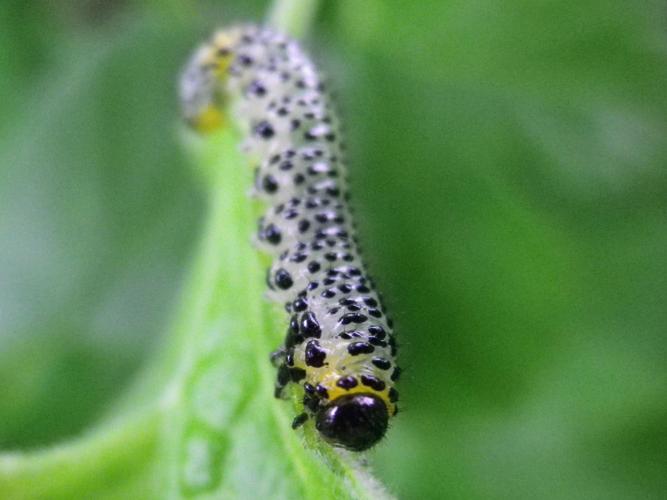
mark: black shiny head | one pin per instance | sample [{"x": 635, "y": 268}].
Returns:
[{"x": 355, "y": 421}]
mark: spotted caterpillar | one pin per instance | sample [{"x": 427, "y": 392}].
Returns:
[{"x": 339, "y": 345}]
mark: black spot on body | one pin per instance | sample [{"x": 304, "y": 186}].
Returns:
[
  {"x": 381, "y": 363},
  {"x": 356, "y": 348},
  {"x": 330, "y": 256},
  {"x": 269, "y": 184},
  {"x": 377, "y": 342},
  {"x": 256, "y": 88},
  {"x": 298, "y": 257},
  {"x": 264, "y": 130},
  {"x": 373, "y": 382},
  {"x": 353, "y": 317},
  {"x": 377, "y": 331},
  {"x": 314, "y": 354},
  {"x": 347, "y": 383},
  {"x": 245, "y": 60},
  {"x": 272, "y": 234},
  {"x": 310, "y": 327},
  {"x": 375, "y": 313},
  {"x": 283, "y": 279},
  {"x": 300, "y": 305},
  {"x": 291, "y": 214}
]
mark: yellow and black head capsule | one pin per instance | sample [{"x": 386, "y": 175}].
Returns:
[{"x": 355, "y": 421}]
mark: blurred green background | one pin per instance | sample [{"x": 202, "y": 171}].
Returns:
[{"x": 509, "y": 171}]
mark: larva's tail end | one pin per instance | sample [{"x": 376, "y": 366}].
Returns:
[
  {"x": 202, "y": 82},
  {"x": 209, "y": 120}
]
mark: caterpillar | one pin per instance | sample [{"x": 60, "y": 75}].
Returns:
[{"x": 339, "y": 346}]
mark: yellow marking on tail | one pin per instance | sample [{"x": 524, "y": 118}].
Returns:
[{"x": 212, "y": 118}]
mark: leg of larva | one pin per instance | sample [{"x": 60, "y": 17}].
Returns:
[
  {"x": 278, "y": 357},
  {"x": 282, "y": 379},
  {"x": 299, "y": 420}
]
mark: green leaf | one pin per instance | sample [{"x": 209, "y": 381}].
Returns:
[{"x": 116, "y": 461}]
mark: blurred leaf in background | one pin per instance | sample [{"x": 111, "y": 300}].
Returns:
[
  {"x": 508, "y": 170},
  {"x": 510, "y": 163},
  {"x": 97, "y": 213}
]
